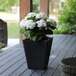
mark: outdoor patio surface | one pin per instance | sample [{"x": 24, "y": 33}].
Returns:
[{"x": 13, "y": 61}]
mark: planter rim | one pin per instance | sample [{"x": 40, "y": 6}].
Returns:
[
  {"x": 68, "y": 65},
  {"x": 39, "y": 40}
]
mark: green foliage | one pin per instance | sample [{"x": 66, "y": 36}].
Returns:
[
  {"x": 1, "y": 51},
  {"x": 67, "y": 18},
  {"x": 0, "y": 48},
  {"x": 0, "y": 45},
  {"x": 37, "y": 34},
  {"x": 64, "y": 29},
  {"x": 22, "y": 31},
  {"x": 13, "y": 30},
  {"x": 5, "y": 5},
  {"x": 36, "y": 3},
  {"x": 35, "y": 8}
]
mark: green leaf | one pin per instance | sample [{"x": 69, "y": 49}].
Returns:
[
  {"x": 26, "y": 35},
  {"x": 22, "y": 31},
  {"x": 1, "y": 51},
  {"x": 0, "y": 45},
  {"x": 27, "y": 32},
  {"x": 40, "y": 38},
  {"x": 34, "y": 38},
  {"x": 32, "y": 18}
]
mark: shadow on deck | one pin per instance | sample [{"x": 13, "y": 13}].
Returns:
[{"x": 13, "y": 61}]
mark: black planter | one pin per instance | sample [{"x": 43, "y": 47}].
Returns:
[
  {"x": 3, "y": 33},
  {"x": 37, "y": 53}
]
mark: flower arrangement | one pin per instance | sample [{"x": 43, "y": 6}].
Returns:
[{"x": 36, "y": 26}]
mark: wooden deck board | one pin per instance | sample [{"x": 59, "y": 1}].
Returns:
[
  {"x": 13, "y": 61},
  {"x": 56, "y": 62},
  {"x": 5, "y": 52}
]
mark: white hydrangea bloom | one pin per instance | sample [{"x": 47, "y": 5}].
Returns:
[
  {"x": 30, "y": 15},
  {"x": 48, "y": 20},
  {"x": 30, "y": 24},
  {"x": 25, "y": 18},
  {"x": 41, "y": 16},
  {"x": 53, "y": 23},
  {"x": 41, "y": 23},
  {"x": 22, "y": 24}
]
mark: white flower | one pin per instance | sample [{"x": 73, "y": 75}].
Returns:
[
  {"x": 25, "y": 18},
  {"x": 41, "y": 16},
  {"x": 48, "y": 20},
  {"x": 30, "y": 24},
  {"x": 41, "y": 23},
  {"x": 30, "y": 15},
  {"x": 53, "y": 23},
  {"x": 22, "y": 24}
]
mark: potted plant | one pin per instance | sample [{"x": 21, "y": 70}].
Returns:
[{"x": 37, "y": 45}]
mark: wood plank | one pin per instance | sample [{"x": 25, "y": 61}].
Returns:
[
  {"x": 72, "y": 49},
  {"x": 27, "y": 73},
  {"x": 6, "y": 60},
  {"x": 74, "y": 53},
  {"x": 14, "y": 67},
  {"x": 44, "y": 6},
  {"x": 10, "y": 53},
  {"x": 55, "y": 64},
  {"x": 59, "y": 49},
  {"x": 19, "y": 70},
  {"x": 55, "y": 39},
  {"x": 6, "y": 51},
  {"x": 58, "y": 42},
  {"x": 58, "y": 72},
  {"x": 11, "y": 63},
  {"x": 15, "y": 64}
]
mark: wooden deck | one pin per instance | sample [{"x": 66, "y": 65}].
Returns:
[{"x": 13, "y": 61}]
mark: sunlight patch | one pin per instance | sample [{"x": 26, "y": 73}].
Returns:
[{"x": 52, "y": 56}]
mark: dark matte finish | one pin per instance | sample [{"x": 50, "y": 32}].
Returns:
[
  {"x": 13, "y": 61},
  {"x": 37, "y": 53},
  {"x": 3, "y": 33}
]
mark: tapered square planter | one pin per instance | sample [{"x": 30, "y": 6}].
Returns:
[{"x": 37, "y": 53}]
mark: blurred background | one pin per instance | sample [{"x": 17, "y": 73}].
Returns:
[{"x": 9, "y": 12}]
